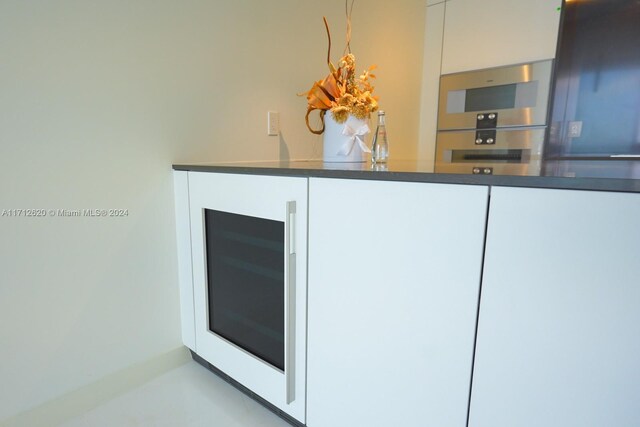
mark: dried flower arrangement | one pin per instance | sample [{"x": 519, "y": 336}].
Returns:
[{"x": 341, "y": 92}]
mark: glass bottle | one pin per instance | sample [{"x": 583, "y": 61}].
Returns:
[{"x": 380, "y": 148}]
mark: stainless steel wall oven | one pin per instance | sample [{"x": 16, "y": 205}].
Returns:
[{"x": 493, "y": 120}]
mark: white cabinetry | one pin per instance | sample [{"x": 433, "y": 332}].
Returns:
[
  {"x": 559, "y": 329},
  {"x": 431, "y": 66},
  {"x": 185, "y": 273},
  {"x": 394, "y": 274},
  {"x": 491, "y": 33}
]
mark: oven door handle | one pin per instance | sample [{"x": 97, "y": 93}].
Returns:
[{"x": 290, "y": 303}]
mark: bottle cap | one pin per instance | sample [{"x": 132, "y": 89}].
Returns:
[{"x": 381, "y": 112}]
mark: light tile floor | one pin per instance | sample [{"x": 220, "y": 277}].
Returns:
[{"x": 188, "y": 396}]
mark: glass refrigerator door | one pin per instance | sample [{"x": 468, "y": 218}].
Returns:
[{"x": 245, "y": 264}]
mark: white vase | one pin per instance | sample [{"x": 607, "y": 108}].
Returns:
[{"x": 344, "y": 142}]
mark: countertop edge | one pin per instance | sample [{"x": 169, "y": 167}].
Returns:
[{"x": 560, "y": 183}]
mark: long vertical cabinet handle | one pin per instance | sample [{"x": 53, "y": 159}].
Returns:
[{"x": 290, "y": 303}]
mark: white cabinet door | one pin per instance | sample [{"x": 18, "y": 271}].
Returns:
[
  {"x": 559, "y": 329},
  {"x": 258, "y": 310},
  {"x": 491, "y": 33},
  {"x": 394, "y": 276}
]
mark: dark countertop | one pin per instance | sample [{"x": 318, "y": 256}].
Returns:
[{"x": 601, "y": 175}]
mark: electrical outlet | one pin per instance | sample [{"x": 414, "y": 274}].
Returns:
[
  {"x": 273, "y": 123},
  {"x": 575, "y": 129}
]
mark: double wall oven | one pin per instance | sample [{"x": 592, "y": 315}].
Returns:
[
  {"x": 493, "y": 120},
  {"x": 249, "y": 280}
]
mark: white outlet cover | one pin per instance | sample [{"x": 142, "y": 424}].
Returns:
[
  {"x": 273, "y": 123},
  {"x": 575, "y": 129}
]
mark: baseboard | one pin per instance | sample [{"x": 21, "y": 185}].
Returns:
[
  {"x": 246, "y": 391},
  {"x": 79, "y": 401}
]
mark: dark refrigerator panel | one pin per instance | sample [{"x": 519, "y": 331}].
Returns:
[{"x": 595, "y": 110}]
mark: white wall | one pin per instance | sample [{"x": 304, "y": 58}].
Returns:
[{"x": 97, "y": 99}]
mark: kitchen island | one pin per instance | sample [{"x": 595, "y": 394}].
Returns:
[{"x": 438, "y": 299}]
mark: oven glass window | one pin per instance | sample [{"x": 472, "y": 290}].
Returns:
[
  {"x": 490, "y": 98},
  {"x": 245, "y": 268}
]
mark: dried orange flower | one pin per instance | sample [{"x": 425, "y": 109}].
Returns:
[
  {"x": 340, "y": 113},
  {"x": 354, "y": 96}
]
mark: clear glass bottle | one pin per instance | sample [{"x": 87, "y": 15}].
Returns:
[{"x": 380, "y": 148}]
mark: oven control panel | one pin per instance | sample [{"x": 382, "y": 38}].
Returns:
[
  {"x": 487, "y": 121},
  {"x": 482, "y": 171},
  {"x": 486, "y": 137}
]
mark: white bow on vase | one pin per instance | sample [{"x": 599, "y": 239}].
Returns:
[{"x": 354, "y": 135}]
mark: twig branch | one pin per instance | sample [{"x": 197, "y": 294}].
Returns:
[
  {"x": 326, "y": 25},
  {"x": 349, "y": 11}
]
